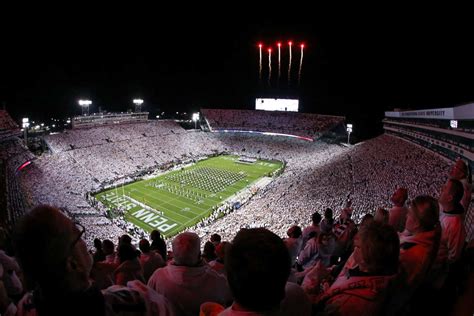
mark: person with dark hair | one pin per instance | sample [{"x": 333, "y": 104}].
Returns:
[
  {"x": 158, "y": 244},
  {"x": 314, "y": 227},
  {"x": 109, "y": 251},
  {"x": 216, "y": 239},
  {"x": 56, "y": 264},
  {"x": 362, "y": 289},
  {"x": 327, "y": 222},
  {"x": 98, "y": 255},
  {"x": 381, "y": 215},
  {"x": 398, "y": 213},
  {"x": 150, "y": 260},
  {"x": 130, "y": 268},
  {"x": 209, "y": 252},
  {"x": 218, "y": 264},
  {"x": 319, "y": 248},
  {"x": 258, "y": 265},
  {"x": 103, "y": 271},
  {"x": 125, "y": 239},
  {"x": 460, "y": 171}
]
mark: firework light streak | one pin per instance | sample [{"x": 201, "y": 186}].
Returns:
[
  {"x": 289, "y": 63},
  {"x": 301, "y": 64},
  {"x": 269, "y": 65},
  {"x": 279, "y": 63},
  {"x": 260, "y": 63}
]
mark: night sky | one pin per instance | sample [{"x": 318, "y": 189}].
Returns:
[{"x": 352, "y": 63}]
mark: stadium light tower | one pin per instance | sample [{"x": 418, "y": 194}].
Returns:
[
  {"x": 195, "y": 119},
  {"x": 85, "y": 106},
  {"x": 349, "y": 131},
  {"x": 138, "y": 104},
  {"x": 25, "y": 123}
]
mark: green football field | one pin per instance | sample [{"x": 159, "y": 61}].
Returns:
[{"x": 179, "y": 199}]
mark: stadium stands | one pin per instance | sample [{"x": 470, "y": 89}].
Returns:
[
  {"x": 8, "y": 127},
  {"x": 317, "y": 175},
  {"x": 289, "y": 123},
  {"x": 13, "y": 155}
]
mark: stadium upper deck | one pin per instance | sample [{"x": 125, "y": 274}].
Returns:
[
  {"x": 304, "y": 125},
  {"x": 446, "y": 131}
]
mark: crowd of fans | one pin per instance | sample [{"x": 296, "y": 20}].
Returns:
[
  {"x": 13, "y": 154},
  {"x": 332, "y": 267},
  {"x": 292, "y": 123},
  {"x": 363, "y": 194},
  {"x": 317, "y": 174},
  {"x": 8, "y": 127},
  {"x": 80, "y": 138}
]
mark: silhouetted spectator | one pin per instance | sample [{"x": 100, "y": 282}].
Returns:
[
  {"x": 158, "y": 244},
  {"x": 98, "y": 255},
  {"x": 215, "y": 239},
  {"x": 130, "y": 268},
  {"x": 218, "y": 264},
  {"x": 258, "y": 265},
  {"x": 56, "y": 265},
  {"x": 381, "y": 215},
  {"x": 328, "y": 221},
  {"x": 460, "y": 172},
  {"x": 209, "y": 252},
  {"x": 314, "y": 227},
  {"x": 150, "y": 260}
]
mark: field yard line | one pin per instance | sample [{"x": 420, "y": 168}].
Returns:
[
  {"x": 162, "y": 202},
  {"x": 189, "y": 220},
  {"x": 177, "y": 199},
  {"x": 152, "y": 209}
]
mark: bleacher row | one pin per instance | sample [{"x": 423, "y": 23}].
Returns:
[
  {"x": 463, "y": 125},
  {"x": 13, "y": 154},
  {"x": 8, "y": 127},
  {"x": 463, "y": 142},
  {"x": 75, "y": 139}
]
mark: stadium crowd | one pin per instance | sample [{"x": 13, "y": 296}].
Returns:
[
  {"x": 330, "y": 266},
  {"x": 334, "y": 266},
  {"x": 317, "y": 174},
  {"x": 300, "y": 124}
]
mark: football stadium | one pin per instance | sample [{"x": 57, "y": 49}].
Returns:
[
  {"x": 239, "y": 170},
  {"x": 242, "y": 168},
  {"x": 250, "y": 210}
]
